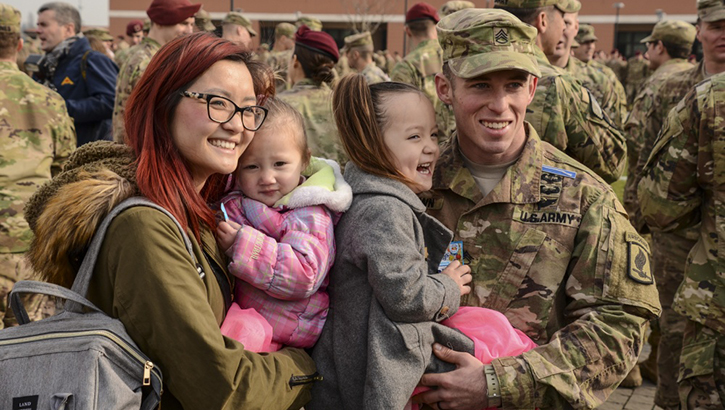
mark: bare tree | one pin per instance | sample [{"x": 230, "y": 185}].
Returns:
[{"x": 367, "y": 15}]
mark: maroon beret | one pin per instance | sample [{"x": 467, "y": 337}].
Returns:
[
  {"x": 170, "y": 12},
  {"x": 421, "y": 11},
  {"x": 318, "y": 41},
  {"x": 134, "y": 26}
]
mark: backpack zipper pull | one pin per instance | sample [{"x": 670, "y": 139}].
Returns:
[{"x": 147, "y": 373}]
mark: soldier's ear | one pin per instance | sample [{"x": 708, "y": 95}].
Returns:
[
  {"x": 20, "y": 44},
  {"x": 533, "y": 82},
  {"x": 444, "y": 88}
]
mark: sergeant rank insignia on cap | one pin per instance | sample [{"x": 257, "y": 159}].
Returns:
[
  {"x": 501, "y": 35},
  {"x": 639, "y": 268}
]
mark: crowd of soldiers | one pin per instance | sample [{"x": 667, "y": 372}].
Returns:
[{"x": 654, "y": 118}]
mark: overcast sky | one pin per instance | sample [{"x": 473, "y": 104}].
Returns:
[{"x": 93, "y": 12}]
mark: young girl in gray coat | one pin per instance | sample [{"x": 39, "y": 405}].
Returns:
[{"x": 386, "y": 299}]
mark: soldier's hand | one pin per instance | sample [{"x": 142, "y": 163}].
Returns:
[
  {"x": 461, "y": 274},
  {"x": 461, "y": 389}
]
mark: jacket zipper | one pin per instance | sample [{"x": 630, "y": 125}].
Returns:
[
  {"x": 300, "y": 380},
  {"x": 149, "y": 367}
]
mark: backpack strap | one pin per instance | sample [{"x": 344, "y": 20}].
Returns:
[
  {"x": 84, "y": 64},
  {"x": 83, "y": 278}
]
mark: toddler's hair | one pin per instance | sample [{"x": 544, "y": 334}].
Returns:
[
  {"x": 361, "y": 119},
  {"x": 283, "y": 115}
]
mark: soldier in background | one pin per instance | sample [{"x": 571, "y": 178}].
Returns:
[
  {"x": 313, "y": 23},
  {"x": 238, "y": 29},
  {"x": 202, "y": 21},
  {"x": 597, "y": 77},
  {"x": 311, "y": 73},
  {"x": 616, "y": 62},
  {"x": 359, "y": 52},
  {"x": 169, "y": 19},
  {"x": 548, "y": 243},
  {"x": 637, "y": 73},
  {"x": 281, "y": 53},
  {"x": 667, "y": 49},
  {"x": 420, "y": 66},
  {"x": 563, "y": 112},
  {"x": 104, "y": 37},
  {"x": 134, "y": 35},
  {"x": 36, "y": 138},
  {"x": 682, "y": 189}
]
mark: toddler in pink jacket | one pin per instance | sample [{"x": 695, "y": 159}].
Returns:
[{"x": 279, "y": 233}]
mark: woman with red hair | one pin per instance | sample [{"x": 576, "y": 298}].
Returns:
[{"x": 185, "y": 139}]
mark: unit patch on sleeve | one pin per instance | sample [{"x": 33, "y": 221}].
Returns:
[{"x": 639, "y": 267}]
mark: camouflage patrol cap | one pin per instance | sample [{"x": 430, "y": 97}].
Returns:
[
  {"x": 285, "y": 29},
  {"x": 575, "y": 44},
  {"x": 147, "y": 25},
  {"x": 480, "y": 41},
  {"x": 311, "y": 22},
  {"x": 202, "y": 20},
  {"x": 585, "y": 34},
  {"x": 235, "y": 17},
  {"x": 566, "y": 6},
  {"x": 99, "y": 33},
  {"x": 675, "y": 32},
  {"x": 711, "y": 10},
  {"x": 451, "y": 7},
  {"x": 359, "y": 41},
  {"x": 9, "y": 19}
]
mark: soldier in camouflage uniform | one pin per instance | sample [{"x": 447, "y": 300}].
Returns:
[
  {"x": 281, "y": 53},
  {"x": 549, "y": 244},
  {"x": 134, "y": 32},
  {"x": 597, "y": 77},
  {"x": 421, "y": 65},
  {"x": 359, "y": 52},
  {"x": 563, "y": 112},
  {"x": 682, "y": 188},
  {"x": 36, "y": 137},
  {"x": 168, "y": 21},
  {"x": 667, "y": 47},
  {"x": 315, "y": 53},
  {"x": 202, "y": 22},
  {"x": 637, "y": 73}
]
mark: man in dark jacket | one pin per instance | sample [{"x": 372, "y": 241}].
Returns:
[{"x": 85, "y": 79}]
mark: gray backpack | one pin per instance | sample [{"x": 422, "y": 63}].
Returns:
[{"x": 79, "y": 359}]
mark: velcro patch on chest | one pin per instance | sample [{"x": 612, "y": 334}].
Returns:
[
  {"x": 547, "y": 217},
  {"x": 639, "y": 267},
  {"x": 433, "y": 203}
]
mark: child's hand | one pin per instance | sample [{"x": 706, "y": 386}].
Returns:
[
  {"x": 226, "y": 232},
  {"x": 461, "y": 274}
]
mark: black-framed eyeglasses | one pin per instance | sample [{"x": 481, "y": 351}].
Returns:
[{"x": 222, "y": 110}]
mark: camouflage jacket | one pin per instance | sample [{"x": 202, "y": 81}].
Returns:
[
  {"x": 314, "y": 102},
  {"x": 566, "y": 115},
  {"x": 36, "y": 138},
  {"x": 419, "y": 69},
  {"x": 120, "y": 56},
  {"x": 637, "y": 72},
  {"x": 603, "y": 83},
  {"x": 618, "y": 67},
  {"x": 279, "y": 61},
  {"x": 641, "y": 116},
  {"x": 139, "y": 57},
  {"x": 550, "y": 248},
  {"x": 373, "y": 74},
  {"x": 682, "y": 185}
]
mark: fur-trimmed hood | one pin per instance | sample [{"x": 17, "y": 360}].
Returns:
[{"x": 65, "y": 212}]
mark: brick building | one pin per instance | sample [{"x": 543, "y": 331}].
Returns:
[{"x": 634, "y": 22}]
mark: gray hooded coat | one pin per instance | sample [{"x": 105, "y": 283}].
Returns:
[{"x": 385, "y": 300}]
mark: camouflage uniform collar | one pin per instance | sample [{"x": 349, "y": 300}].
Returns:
[
  {"x": 427, "y": 43},
  {"x": 150, "y": 41},
  {"x": 309, "y": 83},
  {"x": 9, "y": 65},
  {"x": 520, "y": 185},
  {"x": 671, "y": 61}
]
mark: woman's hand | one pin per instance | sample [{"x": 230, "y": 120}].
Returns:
[
  {"x": 226, "y": 232},
  {"x": 461, "y": 389},
  {"x": 461, "y": 274}
]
